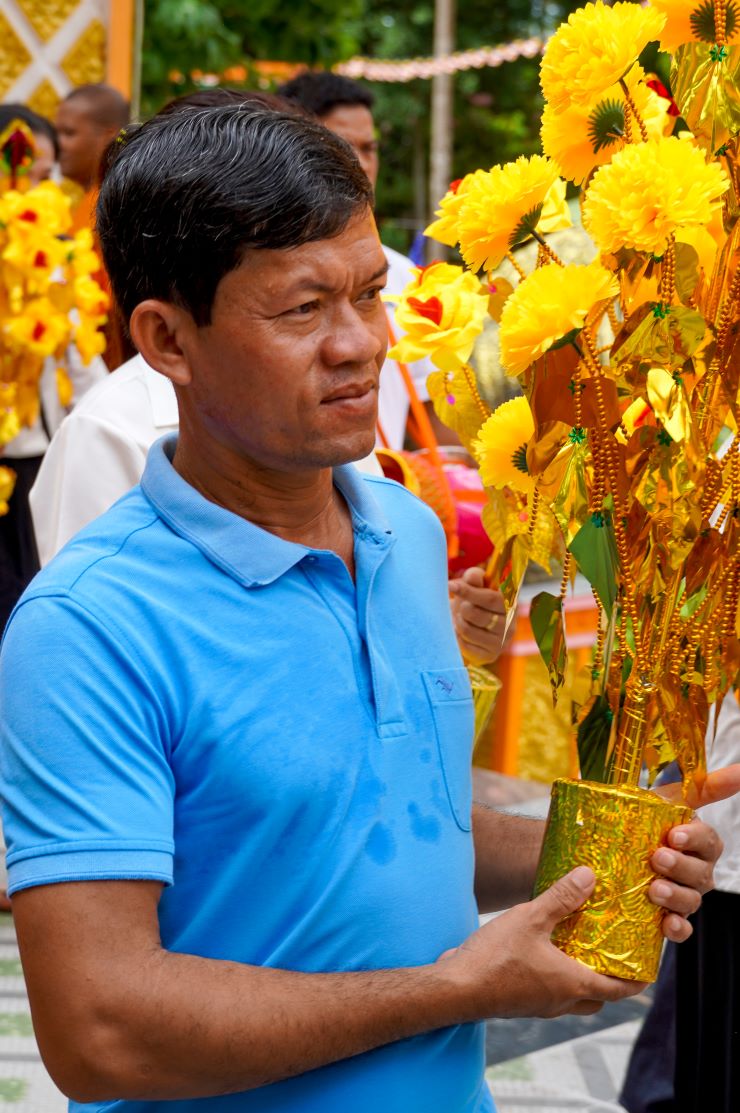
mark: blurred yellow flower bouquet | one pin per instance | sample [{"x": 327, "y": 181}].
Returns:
[
  {"x": 48, "y": 295},
  {"x": 622, "y": 458}
]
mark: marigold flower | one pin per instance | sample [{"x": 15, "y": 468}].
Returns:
[
  {"x": 441, "y": 312},
  {"x": 501, "y": 208},
  {"x": 692, "y": 21},
  {"x": 594, "y": 49},
  {"x": 501, "y": 447},
  {"x": 445, "y": 229},
  {"x": 39, "y": 329},
  {"x": 546, "y": 306},
  {"x": 583, "y": 137},
  {"x": 650, "y": 190}
]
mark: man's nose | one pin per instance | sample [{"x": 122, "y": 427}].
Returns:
[{"x": 356, "y": 337}]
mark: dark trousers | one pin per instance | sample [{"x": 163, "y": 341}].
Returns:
[
  {"x": 707, "y": 1076},
  {"x": 687, "y": 1056},
  {"x": 19, "y": 560}
]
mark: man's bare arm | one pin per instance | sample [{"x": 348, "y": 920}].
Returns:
[
  {"x": 507, "y": 849},
  {"x": 118, "y": 1017}
]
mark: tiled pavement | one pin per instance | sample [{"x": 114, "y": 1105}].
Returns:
[{"x": 579, "y": 1075}]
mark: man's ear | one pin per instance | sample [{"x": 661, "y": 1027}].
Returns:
[{"x": 159, "y": 330}]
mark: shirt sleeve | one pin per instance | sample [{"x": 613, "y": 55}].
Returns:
[
  {"x": 89, "y": 465},
  {"x": 86, "y": 783}
]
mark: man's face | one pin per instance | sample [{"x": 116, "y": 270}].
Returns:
[
  {"x": 354, "y": 123},
  {"x": 287, "y": 371},
  {"x": 81, "y": 141},
  {"x": 40, "y": 169}
]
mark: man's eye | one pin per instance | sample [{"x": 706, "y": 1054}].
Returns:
[
  {"x": 303, "y": 310},
  {"x": 373, "y": 294}
]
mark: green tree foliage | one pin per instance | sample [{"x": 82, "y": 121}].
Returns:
[{"x": 497, "y": 111}]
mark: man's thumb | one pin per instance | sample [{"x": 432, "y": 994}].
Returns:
[{"x": 565, "y": 895}]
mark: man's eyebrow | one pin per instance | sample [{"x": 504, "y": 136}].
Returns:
[{"x": 322, "y": 288}]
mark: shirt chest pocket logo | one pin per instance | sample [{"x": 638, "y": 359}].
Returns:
[{"x": 451, "y": 703}]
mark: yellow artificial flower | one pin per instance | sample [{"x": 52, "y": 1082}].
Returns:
[
  {"x": 445, "y": 229},
  {"x": 546, "y": 306},
  {"x": 82, "y": 256},
  {"x": 39, "y": 330},
  {"x": 7, "y": 483},
  {"x": 650, "y": 190},
  {"x": 594, "y": 49},
  {"x": 691, "y": 21},
  {"x": 88, "y": 339},
  {"x": 89, "y": 298},
  {"x": 501, "y": 208},
  {"x": 34, "y": 254},
  {"x": 44, "y": 206},
  {"x": 583, "y": 137},
  {"x": 501, "y": 447},
  {"x": 555, "y": 215},
  {"x": 441, "y": 312}
]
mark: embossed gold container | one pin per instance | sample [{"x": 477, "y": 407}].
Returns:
[{"x": 614, "y": 829}]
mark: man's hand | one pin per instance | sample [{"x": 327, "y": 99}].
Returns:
[
  {"x": 479, "y": 616},
  {"x": 686, "y": 865},
  {"x": 511, "y": 968}
]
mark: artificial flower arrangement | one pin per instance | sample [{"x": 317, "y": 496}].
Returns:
[
  {"x": 48, "y": 295},
  {"x": 622, "y": 457}
]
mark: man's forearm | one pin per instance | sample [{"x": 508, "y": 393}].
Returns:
[
  {"x": 190, "y": 1027},
  {"x": 507, "y": 849}
]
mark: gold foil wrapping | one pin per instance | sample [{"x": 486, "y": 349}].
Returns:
[
  {"x": 614, "y": 829},
  {"x": 486, "y": 687}
]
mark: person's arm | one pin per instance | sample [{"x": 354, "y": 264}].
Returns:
[
  {"x": 87, "y": 467},
  {"x": 118, "y": 1017}
]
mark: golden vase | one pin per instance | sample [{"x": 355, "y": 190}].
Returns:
[{"x": 614, "y": 829}]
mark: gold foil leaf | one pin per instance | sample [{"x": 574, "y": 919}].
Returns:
[
  {"x": 545, "y": 445},
  {"x": 669, "y": 402},
  {"x": 687, "y": 270},
  {"x": 455, "y": 405},
  {"x": 570, "y": 504},
  {"x": 665, "y": 335},
  {"x": 705, "y": 88}
]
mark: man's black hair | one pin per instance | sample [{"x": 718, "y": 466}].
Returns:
[
  {"x": 321, "y": 92},
  {"x": 190, "y": 192},
  {"x": 37, "y": 125}
]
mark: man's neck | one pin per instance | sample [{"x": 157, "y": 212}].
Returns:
[{"x": 301, "y": 506}]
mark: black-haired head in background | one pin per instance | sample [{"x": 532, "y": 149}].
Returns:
[
  {"x": 344, "y": 106},
  {"x": 189, "y": 192},
  {"x": 320, "y": 92}
]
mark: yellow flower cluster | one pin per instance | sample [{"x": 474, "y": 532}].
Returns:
[
  {"x": 585, "y": 136},
  {"x": 441, "y": 312},
  {"x": 48, "y": 297},
  {"x": 550, "y": 303},
  {"x": 488, "y": 212},
  {"x": 501, "y": 447},
  {"x": 595, "y": 49},
  {"x": 649, "y": 191}
]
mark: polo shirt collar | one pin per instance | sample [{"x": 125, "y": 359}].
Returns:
[{"x": 249, "y": 554}]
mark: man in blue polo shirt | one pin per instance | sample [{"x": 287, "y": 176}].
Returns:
[{"x": 236, "y": 725}]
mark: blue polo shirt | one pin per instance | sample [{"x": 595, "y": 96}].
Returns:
[{"x": 190, "y": 699}]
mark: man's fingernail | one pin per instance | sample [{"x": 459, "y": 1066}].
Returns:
[
  {"x": 665, "y": 859},
  {"x": 679, "y": 838},
  {"x": 661, "y": 890},
  {"x": 583, "y": 877}
]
